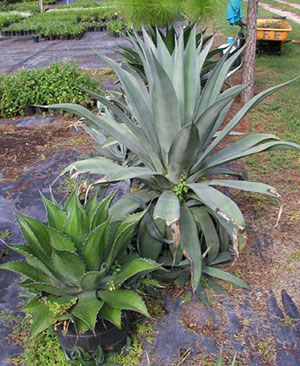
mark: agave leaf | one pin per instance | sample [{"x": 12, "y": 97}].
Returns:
[
  {"x": 142, "y": 53},
  {"x": 219, "y": 203},
  {"x": 152, "y": 283},
  {"x": 163, "y": 55},
  {"x": 133, "y": 128},
  {"x": 60, "y": 241},
  {"x": 192, "y": 66},
  {"x": 159, "y": 231},
  {"x": 167, "y": 207},
  {"x": 137, "y": 96},
  {"x": 42, "y": 320},
  {"x": 205, "y": 122},
  {"x": 32, "y": 306},
  {"x": 45, "y": 287},
  {"x": 112, "y": 171},
  {"x": 225, "y": 171},
  {"x": 91, "y": 280},
  {"x": 189, "y": 242},
  {"x": 130, "y": 202},
  {"x": 91, "y": 206},
  {"x": 76, "y": 223},
  {"x": 241, "y": 113},
  {"x": 269, "y": 146},
  {"x": 241, "y": 145},
  {"x": 149, "y": 245},
  {"x": 95, "y": 246},
  {"x": 184, "y": 148},
  {"x": 220, "y": 120},
  {"x": 215, "y": 286},
  {"x": 166, "y": 120},
  {"x": 35, "y": 236},
  {"x": 111, "y": 314},
  {"x": 118, "y": 130},
  {"x": 222, "y": 257},
  {"x": 70, "y": 202},
  {"x": 246, "y": 186},
  {"x": 31, "y": 259},
  {"x": 55, "y": 215},
  {"x": 68, "y": 265},
  {"x": 87, "y": 308},
  {"x": 222, "y": 275},
  {"x": 25, "y": 270},
  {"x": 147, "y": 48},
  {"x": 177, "y": 76},
  {"x": 215, "y": 82},
  {"x": 207, "y": 225},
  {"x": 124, "y": 300},
  {"x": 224, "y": 239},
  {"x": 101, "y": 214},
  {"x": 123, "y": 236},
  {"x": 79, "y": 324},
  {"x": 139, "y": 265}
]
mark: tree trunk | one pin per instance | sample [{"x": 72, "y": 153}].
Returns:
[
  {"x": 41, "y": 6},
  {"x": 249, "y": 59}
]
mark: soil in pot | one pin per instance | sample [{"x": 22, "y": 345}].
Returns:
[{"x": 107, "y": 335}]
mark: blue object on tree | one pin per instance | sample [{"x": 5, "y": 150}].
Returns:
[{"x": 234, "y": 11}]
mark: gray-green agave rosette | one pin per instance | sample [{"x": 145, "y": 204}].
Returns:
[
  {"x": 76, "y": 265},
  {"x": 174, "y": 128}
]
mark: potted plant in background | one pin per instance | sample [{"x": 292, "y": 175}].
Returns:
[{"x": 75, "y": 273}]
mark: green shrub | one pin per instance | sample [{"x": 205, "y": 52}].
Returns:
[
  {"x": 32, "y": 7},
  {"x": 84, "y": 4},
  {"x": 6, "y": 19},
  {"x": 53, "y": 84},
  {"x": 116, "y": 28}
]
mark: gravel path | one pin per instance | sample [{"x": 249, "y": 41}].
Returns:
[
  {"x": 17, "y": 52},
  {"x": 284, "y": 13},
  {"x": 294, "y": 5}
]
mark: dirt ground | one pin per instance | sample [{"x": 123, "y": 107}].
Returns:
[{"x": 21, "y": 147}]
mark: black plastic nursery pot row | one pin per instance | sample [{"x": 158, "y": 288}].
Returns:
[{"x": 41, "y": 36}]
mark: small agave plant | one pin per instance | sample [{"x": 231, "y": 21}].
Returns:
[
  {"x": 175, "y": 130},
  {"x": 76, "y": 264}
]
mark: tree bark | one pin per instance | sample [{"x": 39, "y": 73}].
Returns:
[
  {"x": 41, "y": 6},
  {"x": 249, "y": 59}
]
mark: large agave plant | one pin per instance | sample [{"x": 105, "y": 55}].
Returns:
[
  {"x": 76, "y": 264},
  {"x": 176, "y": 130}
]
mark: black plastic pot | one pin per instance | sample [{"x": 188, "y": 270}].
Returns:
[
  {"x": 107, "y": 335},
  {"x": 29, "y": 110}
]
